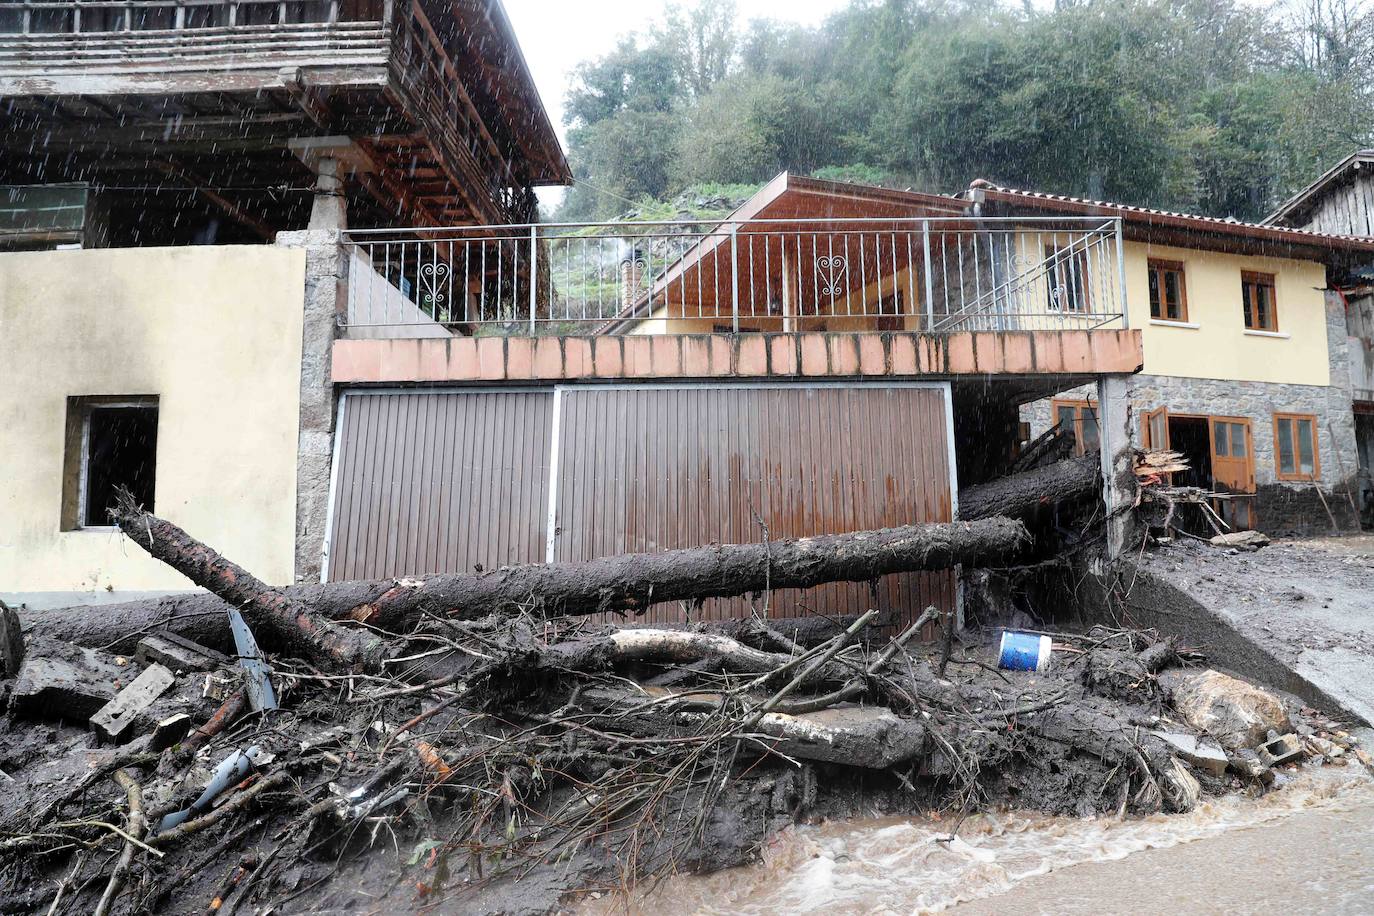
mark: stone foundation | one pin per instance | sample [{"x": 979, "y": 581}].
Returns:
[{"x": 1282, "y": 506}]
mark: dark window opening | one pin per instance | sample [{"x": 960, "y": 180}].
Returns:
[
  {"x": 1079, "y": 417},
  {"x": 1190, "y": 437},
  {"x": 111, "y": 444}
]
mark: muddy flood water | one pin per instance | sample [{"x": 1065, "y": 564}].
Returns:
[{"x": 1308, "y": 847}]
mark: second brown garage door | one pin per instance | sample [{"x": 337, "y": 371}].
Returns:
[{"x": 653, "y": 468}]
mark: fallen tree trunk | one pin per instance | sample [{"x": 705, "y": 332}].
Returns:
[
  {"x": 628, "y": 583},
  {"x": 1019, "y": 495},
  {"x": 293, "y": 623}
]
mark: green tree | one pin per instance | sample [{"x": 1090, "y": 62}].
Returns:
[{"x": 1219, "y": 106}]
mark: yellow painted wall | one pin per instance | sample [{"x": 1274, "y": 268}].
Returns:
[
  {"x": 215, "y": 333},
  {"x": 1219, "y": 347}
]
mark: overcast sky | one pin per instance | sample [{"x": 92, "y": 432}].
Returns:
[{"x": 556, "y": 35}]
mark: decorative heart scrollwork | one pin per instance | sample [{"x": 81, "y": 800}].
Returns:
[{"x": 832, "y": 272}]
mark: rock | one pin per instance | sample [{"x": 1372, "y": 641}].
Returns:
[
  {"x": 1204, "y": 753},
  {"x": 11, "y": 642},
  {"x": 1237, "y": 714},
  {"x": 1246, "y": 540},
  {"x": 60, "y": 681},
  {"x": 114, "y": 721}
]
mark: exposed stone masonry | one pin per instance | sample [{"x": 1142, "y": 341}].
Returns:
[
  {"x": 1283, "y": 505},
  {"x": 326, "y": 269}
]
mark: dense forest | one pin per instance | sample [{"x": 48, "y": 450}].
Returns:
[{"x": 1213, "y": 106}]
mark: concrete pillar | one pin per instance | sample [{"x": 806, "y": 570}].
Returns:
[
  {"x": 326, "y": 297},
  {"x": 332, "y": 159},
  {"x": 329, "y": 210},
  {"x": 1118, "y": 475}
]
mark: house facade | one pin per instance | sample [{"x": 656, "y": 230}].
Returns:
[
  {"x": 174, "y": 178},
  {"x": 337, "y": 344},
  {"x": 1342, "y": 201},
  {"x": 831, "y": 357},
  {"x": 1246, "y": 367}
]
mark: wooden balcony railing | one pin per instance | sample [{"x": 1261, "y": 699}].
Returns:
[
  {"x": 76, "y": 46},
  {"x": 78, "y": 17}
]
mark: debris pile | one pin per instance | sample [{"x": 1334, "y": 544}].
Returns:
[{"x": 377, "y": 758}]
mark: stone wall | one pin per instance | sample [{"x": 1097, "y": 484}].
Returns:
[{"x": 1283, "y": 506}]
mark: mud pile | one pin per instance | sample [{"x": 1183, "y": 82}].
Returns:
[{"x": 517, "y": 764}]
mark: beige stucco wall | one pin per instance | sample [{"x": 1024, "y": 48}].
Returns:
[
  {"x": 1219, "y": 346},
  {"x": 215, "y": 333}
]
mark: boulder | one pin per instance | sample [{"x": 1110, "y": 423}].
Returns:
[
  {"x": 60, "y": 681},
  {"x": 1239, "y": 715},
  {"x": 1246, "y": 540}
]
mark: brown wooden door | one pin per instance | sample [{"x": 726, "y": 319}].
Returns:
[
  {"x": 1154, "y": 428},
  {"x": 1233, "y": 467}
]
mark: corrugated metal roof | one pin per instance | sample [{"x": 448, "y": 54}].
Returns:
[{"x": 1173, "y": 219}]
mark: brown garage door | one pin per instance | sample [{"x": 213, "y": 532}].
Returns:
[
  {"x": 439, "y": 482},
  {"x": 653, "y": 468},
  {"x": 445, "y": 481}
]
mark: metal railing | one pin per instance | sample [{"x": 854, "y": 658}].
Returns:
[{"x": 933, "y": 275}]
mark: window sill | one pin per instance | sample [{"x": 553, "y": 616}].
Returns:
[
  {"x": 1280, "y": 335},
  {"x": 95, "y": 529},
  {"x": 1165, "y": 323}
]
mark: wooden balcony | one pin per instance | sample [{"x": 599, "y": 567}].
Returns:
[{"x": 218, "y": 88}]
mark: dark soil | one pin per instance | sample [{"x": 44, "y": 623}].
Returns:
[{"x": 486, "y": 828}]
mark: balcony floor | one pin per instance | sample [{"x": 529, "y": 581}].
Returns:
[{"x": 741, "y": 356}]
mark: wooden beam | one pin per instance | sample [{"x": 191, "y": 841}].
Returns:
[
  {"x": 306, "y": 97},
  {"x": 391, "y": 195},
  {"x": 202, "y": 187}
]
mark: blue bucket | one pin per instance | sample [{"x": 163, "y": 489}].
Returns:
[{"x": 1024, "y": 652}]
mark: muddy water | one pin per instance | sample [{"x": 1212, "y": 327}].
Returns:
[{"x": 1307, "y": 847}]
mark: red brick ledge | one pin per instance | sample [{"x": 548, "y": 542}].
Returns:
[{"x": 704, "y": 356}]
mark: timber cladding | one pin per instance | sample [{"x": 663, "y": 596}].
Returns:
[{"x": 447, "y": 481}]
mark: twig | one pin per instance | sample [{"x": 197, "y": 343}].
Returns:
[
  {"x": 66, "y": 882},
  {"x": 1340, "y": 459},
  {"x": 857, "y": 686},
  {"x": 1335, "y": 528},
  {"x": 1023, "y": 709},
  {"x": 136, "y": 824},
  {"x": 839, "y": 643}
]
